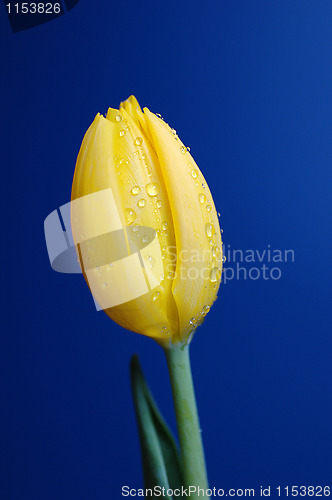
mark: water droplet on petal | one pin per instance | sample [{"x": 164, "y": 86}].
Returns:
[
  {"x": 145, "y": 239},
  {"x": 122, "y": 133},
  {"x": 209, "y": 229},
  {"x": 130, "y": 215},
  {"x": 135, "y": 228},
  {"x": 152, "y": 189},
  {"x": 202, "y": 198},
  {"x": 205, "y": 310},
  {"x": 155, "y": 296},
  {"x": 183, "y": 149},
  {"x": 159, "y": 204},
  {"x": 138, "y": 141},
  {"x": 194, "y": 174},
  {"x": 135, "y": 190},
  {"x": 118, "y": 118},
  {"x": 164, "y": 226},
  {"x": 141, "y": 203},
  {"x": 224, "y": 258},
  {"x": 215, "y": 251},
  {"x": 208, "y": 208},
  {"x": 215, "y": 274},
  {"x": 150, "y": 260}
]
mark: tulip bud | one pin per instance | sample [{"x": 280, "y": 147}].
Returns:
[{"x": 145, "y": 225}]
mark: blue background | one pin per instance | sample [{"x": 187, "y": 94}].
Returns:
[{"x": 247, "y": 85}]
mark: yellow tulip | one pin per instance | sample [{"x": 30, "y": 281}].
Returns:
[{"x": 137, "y": 186}]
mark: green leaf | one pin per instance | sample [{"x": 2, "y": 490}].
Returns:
[{"x": 160, "y": 457}]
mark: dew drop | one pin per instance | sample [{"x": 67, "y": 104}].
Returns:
[
  {"x": 130, "y": 215},
  {"x": 141, "y": 203},
  {"x": 194, "y": 174},
  {"x": 164, "y": 226},
  {"x": 215, "y": 251},
  {"x": 159, "y": 204},
  {"x": 152, "y": 189},
  {"x": 136, "y": 190},
  {"x": 138, "y": 141},
  {"x": 118, "y": 118},
  {"x": 208, "y": 208},
  {"x": 202, "y": 198},
  {"x": 145, "y": 239},
  {"x": 224, "y": 258},
  {"x": 150, "y": 260},
  {"x": 209, "y": 229},
  {"x": 122, "y": 133},
  {"x": 155, "y": 296},
  {"x": 215, "y": 274},
  {"x": 183, "y": 150},
  {"x": 205, "y": 310},
  {"x": 135, "y": 228}
]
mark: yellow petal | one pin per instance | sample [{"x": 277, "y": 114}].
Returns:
[
  {"x": 196, "y": 226},
  {"x": 115, "y": 155}
]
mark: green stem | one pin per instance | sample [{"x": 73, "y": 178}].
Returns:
[{"x": 191, "y": 447}]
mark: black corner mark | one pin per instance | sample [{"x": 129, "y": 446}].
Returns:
[{"x": 24, "y": 15}]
